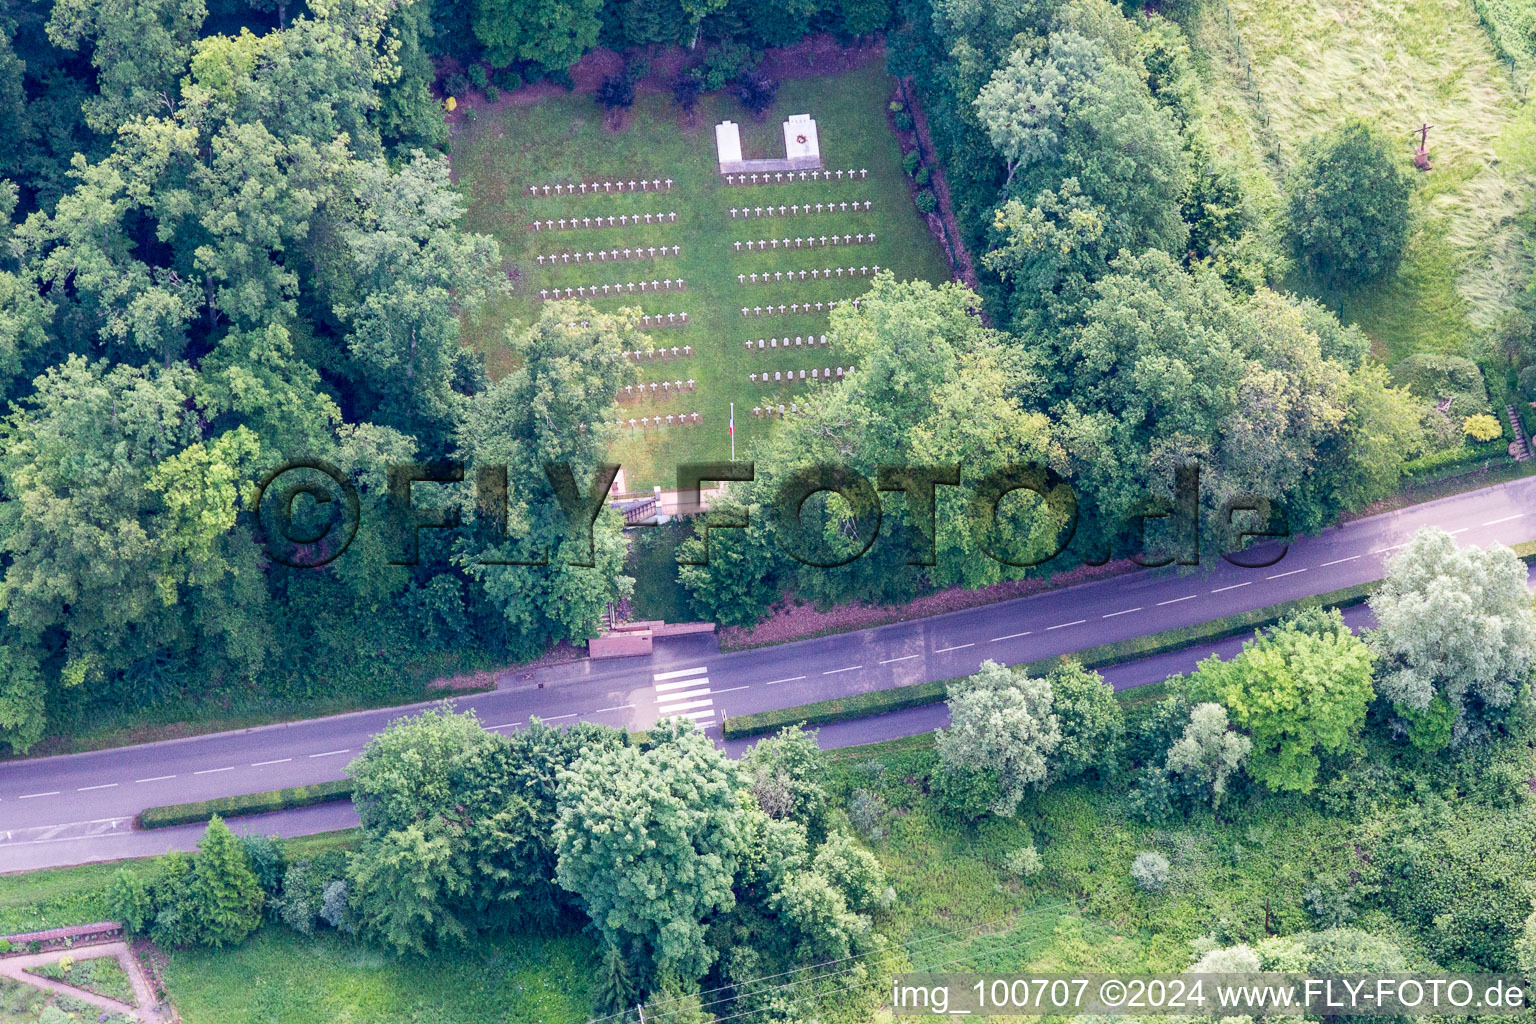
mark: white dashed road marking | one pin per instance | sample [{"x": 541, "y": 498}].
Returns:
[
  {"x": 957, "y": 647},
  {"x": 787, "y": 679},
  {"x": 1282, "y": 575},
  {"x": 835, "y": 671},
  {"x": 904, "y": 657},
  {"x": 1064, "y": 625},
  {"x": 1010, "y": 636},
  {"x": 1188, "y": 597},
  {"x": 1339, "y": 561},
  {"x": 1223, "y": 590},
  {"x": 263, "y": 764},
  {"x": 1496, "y": 522},
  {"x": 1126, "y": 612}
]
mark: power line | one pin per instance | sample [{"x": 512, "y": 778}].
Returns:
[
  {"x": 721, "y": 1020},
  {"x": 950, "y": 937}
]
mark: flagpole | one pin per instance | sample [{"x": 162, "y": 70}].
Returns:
[{"x": 733, "y": 431}]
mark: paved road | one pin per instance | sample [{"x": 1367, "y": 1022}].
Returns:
[{"x": 75, "y": 808}]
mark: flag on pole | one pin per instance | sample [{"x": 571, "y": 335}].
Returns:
[{"x": 733, "y": 419}]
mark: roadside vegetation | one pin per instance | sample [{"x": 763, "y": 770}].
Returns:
[{"x": 1320, "y": 791}]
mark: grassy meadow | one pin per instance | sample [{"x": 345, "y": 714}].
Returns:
[
  {"x": 502, "y": 150},
  {"x": 1280, "y": 73}
]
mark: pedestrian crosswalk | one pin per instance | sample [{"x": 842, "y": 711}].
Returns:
[{"x": 684, "y": 693}]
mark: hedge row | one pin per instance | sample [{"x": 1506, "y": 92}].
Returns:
[
  {"x": 898, "y": 698},
  {"x": 248, "y": 803},
  {"x": 1465, "y": 456}
]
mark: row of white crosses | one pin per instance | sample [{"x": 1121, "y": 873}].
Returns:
[
  {"x": 639, "y": 252},
  {"x": 797, "y": 307},
  {"x": 801, "y": 275},
  {"x": 656, "y": 388},
  {"x": 788, "y": 177},
  {"x": 660, "y": 353},
  {"x": 585, "y": 187},
  {"x": 628, "y": 287},
  {"x": 799, "y": 340},
  {"x": 764, "y": 244},
  {"x": 776, "y": 410},
  {"x": 780, "y": 377},
  {"x": 646, "y": 320},
  {"x": 681, "y": 419},
  {"x": 622, "y": 220},
  {"x": 795, "y": 209}
]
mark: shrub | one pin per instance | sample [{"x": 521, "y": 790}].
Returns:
[
  {"x": 129, "y": 902},
  {"x": 866, "y": 813},
  {"x": 1482, "y": 427},
  {"x": 1328, "y": 903},
  {"x": 1347, "y": 205},
  {"x": 1151, "y": 799},
  {"x": 1150, "y": 871},
  {"x": 756, "y": 91},
  {"x": 922, "y": 176},
  {"x": 617, "y": 92},
  {"x": 508, "y": 79},
  {"x": 911, "y": 160},
  {"x": 5, "y": 945},
  {"x": 1463, "y": 881},
  {"x": 686, "y": 89},
  {"x": 492, "y": 94},
  {"x": 1023, "y": 861},
  {"x": 726, "y": 64},
  {"x": 268, "y": 861},
  {"x": 1525, "y": 947},
  {"x": 927, "y": 202},
  {"x": 563, "y": 79},
  {"x": 226, "y": 898},
  {"x": 1435, "y": 376},
  {"x": 896, "y": 106},
  {"x": 456, "y": 84},
  {"x": 336, "y": 907},
  {"x": 1527, "y": 381},
  {"x": 903, "y": 121},
  {"x": 477, "y": 77}
]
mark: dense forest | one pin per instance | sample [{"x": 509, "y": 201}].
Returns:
[{"x": 231, "y": 241}]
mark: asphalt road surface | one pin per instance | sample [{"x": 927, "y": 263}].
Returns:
[{"x": 76, "y": 808}]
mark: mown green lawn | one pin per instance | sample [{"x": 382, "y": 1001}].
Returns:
[{"x": 503, "y": 150}]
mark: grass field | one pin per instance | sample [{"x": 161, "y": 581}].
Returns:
[
  {"x": 1280, "y": 73},
  {"x": 279, "y": 977},
  {"x": 503, "y": 150}
]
